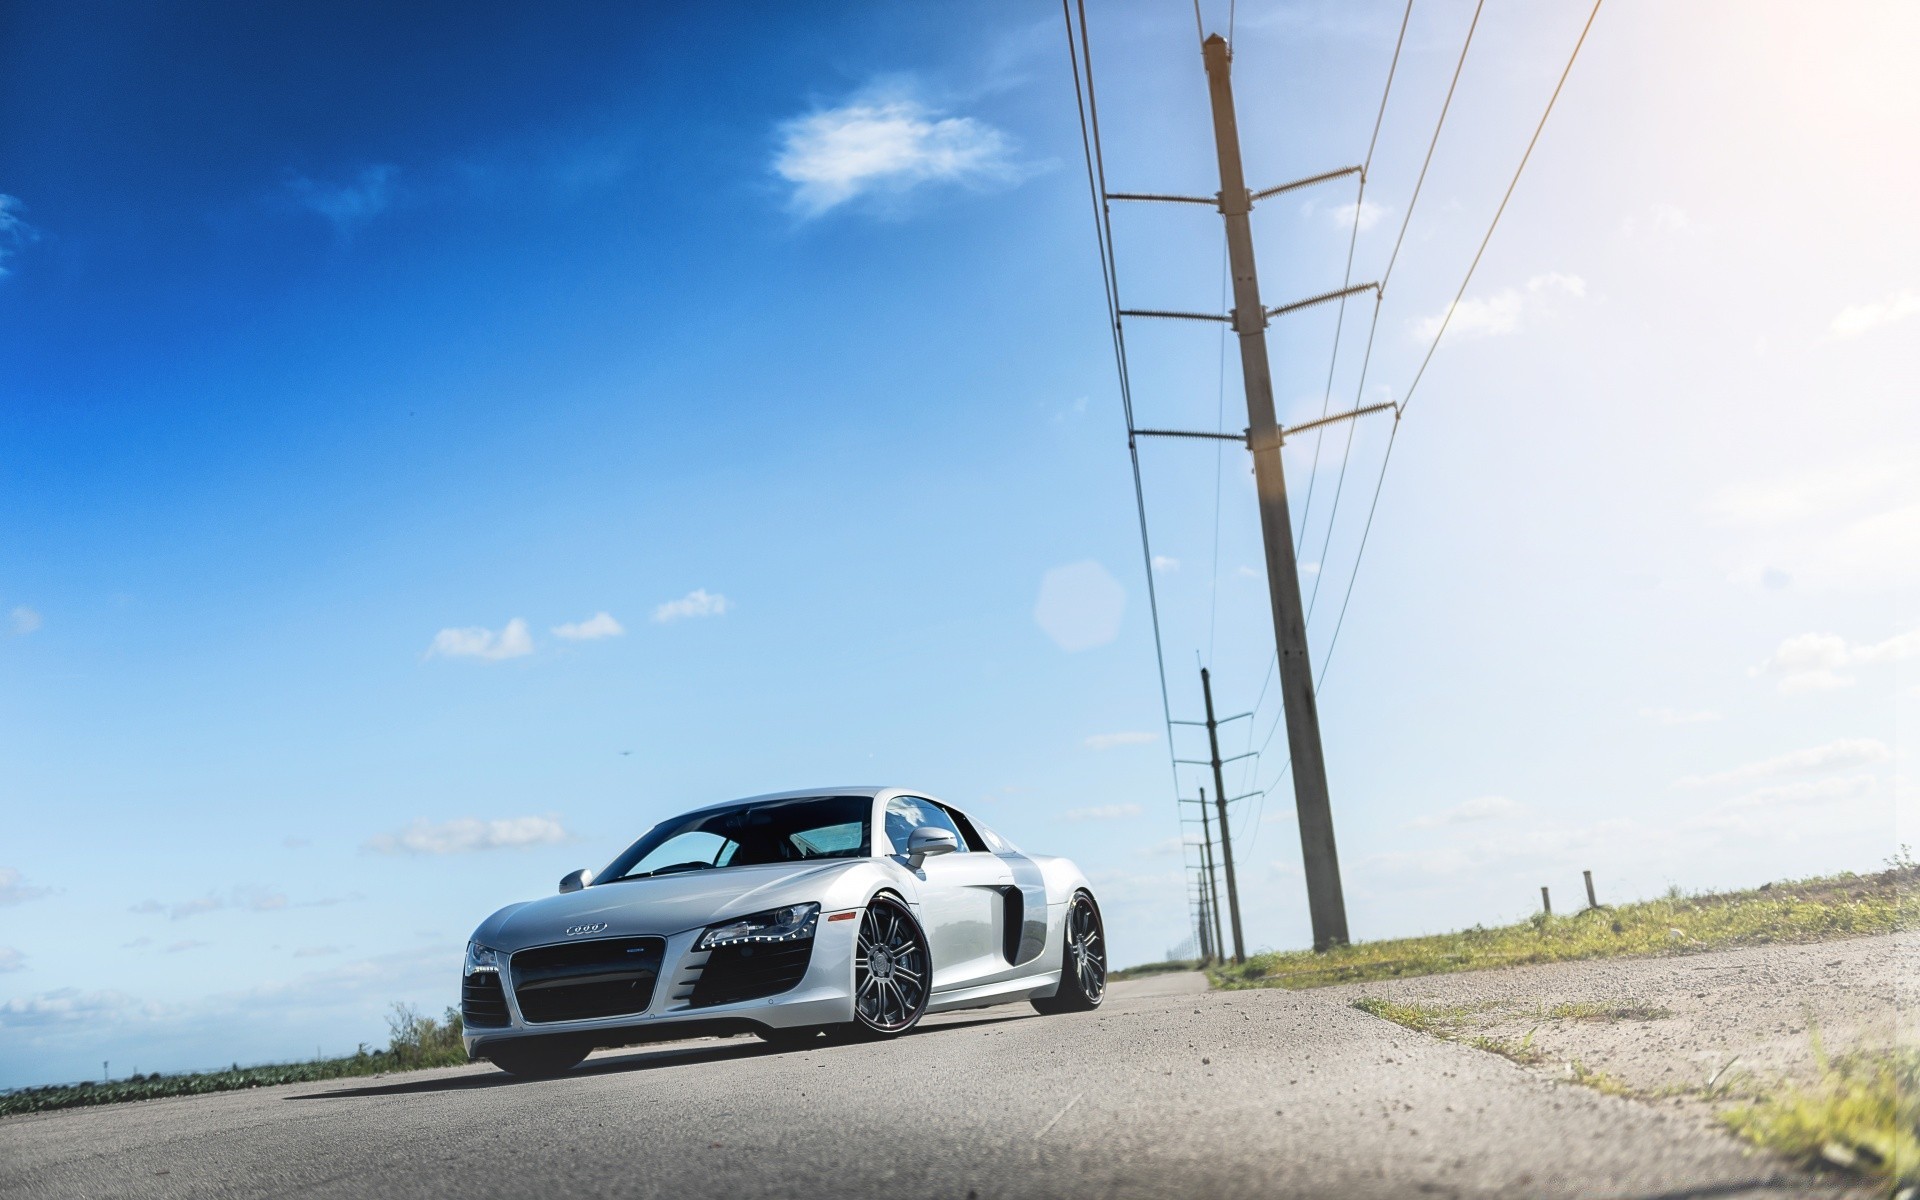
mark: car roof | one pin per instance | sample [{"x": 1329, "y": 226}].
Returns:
[{"x": 871, "y": 791}]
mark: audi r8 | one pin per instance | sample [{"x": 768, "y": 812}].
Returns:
[{"x": 846, "y": 912}]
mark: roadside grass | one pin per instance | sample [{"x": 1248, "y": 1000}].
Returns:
[
  {"x": 1863, "y": 1114},
  {"x": 416, "y": 1042},
  {"x": 1807, "y": 910},
  {"x": 1157, "y": 968}
]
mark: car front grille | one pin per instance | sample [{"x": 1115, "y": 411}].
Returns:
[
  {"x": 751, "y": 972},
  {"x": 608, "y": 978},
  {"x": 483, "y": 1003}
]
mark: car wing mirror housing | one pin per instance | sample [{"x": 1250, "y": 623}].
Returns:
[
  {"x": 926, "y": 841},
  {"x": 576, "y": 880}
]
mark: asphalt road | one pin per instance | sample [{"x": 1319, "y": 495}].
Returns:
[{"x": 1167, "y": 1090}]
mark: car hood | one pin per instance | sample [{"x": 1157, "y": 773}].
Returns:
[{"x": 665, "y": 906}]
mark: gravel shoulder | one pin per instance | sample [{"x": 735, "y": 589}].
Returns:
[{"x": 1692, "y": 1031}]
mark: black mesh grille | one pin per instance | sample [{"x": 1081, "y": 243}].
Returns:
[
  {"x": 608, "y": 978},
  {"x": 736, "y": 973},
  {"x": 483, "y": 1003}
]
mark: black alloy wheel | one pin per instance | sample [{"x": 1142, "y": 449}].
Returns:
[
  {"x": 538, "y": 1058},
  {"x": 1083, "y": 967},
  {"x": 892, "y": 970}
]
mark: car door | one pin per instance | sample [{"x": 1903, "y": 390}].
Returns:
[{"x": 962, "y": 898}]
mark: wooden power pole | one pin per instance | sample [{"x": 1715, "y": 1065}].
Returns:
[
  {"x": 1226, "y": 835},
  {"x": 1325, "y": 903}
]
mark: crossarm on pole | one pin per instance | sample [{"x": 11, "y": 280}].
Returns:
[{"x": 1307, "y": 182}]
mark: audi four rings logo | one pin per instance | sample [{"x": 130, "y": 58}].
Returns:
[{"x": 579, "y": 930}]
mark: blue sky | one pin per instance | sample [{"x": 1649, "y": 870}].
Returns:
[{"x": 436, "y": 445}]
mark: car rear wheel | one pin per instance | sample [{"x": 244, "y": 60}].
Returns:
[
  {"x": 1083, "y": 967},
  {"x": 538, "y": 1058},
  {"x": 892, "y": 970}
]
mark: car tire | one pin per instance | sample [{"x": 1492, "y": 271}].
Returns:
[
  {"x": 538, "y": 1059},
  {"x": 1083, "y": 961},
  {"x": 892, "y": 971}
]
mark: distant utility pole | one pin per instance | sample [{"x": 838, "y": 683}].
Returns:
[
  {"x": 1206, "y": 936},
  {"x": 1212, "y": 885},
  {"x": 1226, "y": 835},
  {"x": 1325, "y": 903}
]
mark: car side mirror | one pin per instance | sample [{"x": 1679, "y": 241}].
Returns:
[
  {"x": 926, "y": 841},
  {"x": 575, "y": 881}
]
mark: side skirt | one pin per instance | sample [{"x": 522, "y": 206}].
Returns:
[{"x": 1003, "y": 991}]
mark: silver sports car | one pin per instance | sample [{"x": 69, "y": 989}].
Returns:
[{"x": 850, "y": 911}]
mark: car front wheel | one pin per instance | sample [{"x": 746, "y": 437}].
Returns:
[{"x": 892, "y": 970}]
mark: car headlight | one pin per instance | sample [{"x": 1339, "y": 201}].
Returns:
[
  {"x": 789, "y": 924},
  {"x": 481, "y": 958}
]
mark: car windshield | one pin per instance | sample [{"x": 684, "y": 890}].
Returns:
[{"x": 752, "y": 834}]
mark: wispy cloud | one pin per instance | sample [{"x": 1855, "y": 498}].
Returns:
[
  {"x": 246, "y": 897},
  {"x": 1104, "y": 812},
  {"x": 1679, "y": 716},
  {"x": 14, "y": 891},
  {"x": 1813, "y": 662},
  {"x": 1132, "y": 737},
  {"x": 15, "y": 233},
  {"x": 886, "y": 145},
  {"x": 11, "y": 959},
  {"x": 1842, "y": 753},
  {"x": 1165, "y": 563},
  {"x": 466, "y": 835},
  {"x": 24, "y": 620},
  {"x": 1480, "y": 808},
  {"x": 315, "y": 951},
  {"x": 1341, "y": 216},
  {"x": 1080, "y": 606},
  {"x": 697, "y": 603},
  {"x": 599, "y": 625},
  {"x": 1503, "y": 312},
  {"x": 347, "y": 204},
  {"x": 512, "y": 641},
  {"x": 1856, "y": 319},
  {"x": 183, "y": 944}
]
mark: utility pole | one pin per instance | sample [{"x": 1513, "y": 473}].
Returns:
[
  {"x": 1325, "y": 903},
  {"x": 1220, "y": 798},
  {"x": 1212, "y": 885},
  {"x": 1206, "y": 935}
]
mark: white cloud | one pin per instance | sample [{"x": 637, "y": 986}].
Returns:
[
  {"x": 887, "y": 145},
  {"x": 513, "y": 641},
  {"x": 13, "y": 891},
  {"x": 1165, "y": 563},
  {"x": 1501, "y": 313},
  {"x": 697, "y": 603},
  {"x": 183, "y": 944},
  {"x": 1845, "y": 752},
  {"x": 1342, "y": 215},
  {"x": 1670, "y": 218},
  {"x": 1856, "y": 319},
  {"x": 14, "y": 231},
  {"x": 1080, "y": 606},
  {"x": 1784, "y": 806},
  {"x": 351, "y": 204},
  {"x": 1480, "y": 808},
  {"x": 25, "y": 620},
  {"x": 1107, "y": 741},
  {"x": 1104, "y": 812},
  {"x": 1680, "y": 716},
  {"x": 1812, "y": 662},
  {"x": 468, "y": 834},
  {"x": 68, "y": 1005},
  {"x": 599, "y": 625},
  {"x": 11, "y": 959}
]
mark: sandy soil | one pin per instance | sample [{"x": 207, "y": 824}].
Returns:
[{"x": 1695, "y": 1031}]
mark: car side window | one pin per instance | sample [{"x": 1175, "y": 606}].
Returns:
[
  {"x": 907, "y": 813},
  {"x": 970, "y": 838}
]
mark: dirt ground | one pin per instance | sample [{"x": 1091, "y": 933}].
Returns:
[{"x": 1696, "y": 1031}]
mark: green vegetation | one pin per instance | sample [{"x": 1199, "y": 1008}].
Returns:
[
  {"x": 1863, "y": 1114},
  {"x": 1157, "y": 968},
  {"x": 415, "y": 1042},
  {"x": 1808, "y": 910}
]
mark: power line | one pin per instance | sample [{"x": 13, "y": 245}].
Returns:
[
  {"x": 1379, "y": 297},
  {"x": 1089, "y": 111},
  {"x": 1441, "y": 332}
]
